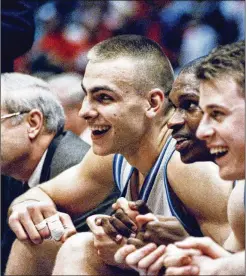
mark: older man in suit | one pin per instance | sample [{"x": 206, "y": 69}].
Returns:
[{"x": 34, "y": 147}]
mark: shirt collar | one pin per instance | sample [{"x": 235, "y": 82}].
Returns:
[{"x": 35, "y": 177}]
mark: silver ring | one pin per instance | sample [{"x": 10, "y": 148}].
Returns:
[{"x": 41, "y": 225}]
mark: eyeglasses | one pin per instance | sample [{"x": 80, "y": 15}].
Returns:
[{"x": 6, "y": 116}]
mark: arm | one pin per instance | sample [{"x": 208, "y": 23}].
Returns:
[
  {"x": 203, "y": 193},
  {"x": 202, "y": 265},
  {"x": 91, "y": 179},
  {"x": 69, "y": 191},
  {"x": 232, "y": 265}
]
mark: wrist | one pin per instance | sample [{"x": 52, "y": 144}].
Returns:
[{"x": 23, "y": 202}]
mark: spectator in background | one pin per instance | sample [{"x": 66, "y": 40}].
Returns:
[
  {"x": 170, "y": 23},
  {"x": 67, "y": 87},
  {"x": 17, "y": 30},
  {"x": 198, "y": 38}
]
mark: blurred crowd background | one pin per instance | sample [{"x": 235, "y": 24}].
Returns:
[{"x": 66, "y": 30}]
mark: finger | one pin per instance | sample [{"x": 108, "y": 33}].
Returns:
[
  {"x": 206, "y": 245},
  {"x": 174, "y": 228},
  {"x": 68, "y": 226},
  {"x": 157, "y": 267},
  {"x": 47, "y": 209},
  {"x": 121, "y": 203},
  {"x": 91, "y": 221},
  {"x": 98, "y": 221},
  {"x": 140, "y": 235},
  {"x": 98, "y": 232},
  {"x": 123, "y": 252},
  {"x": 110, "y": 230},
  {"x": 142, "y": 207},
  {"x": 152, "y": 257},
  {"x": 142, "y": 272},
  {"x": 17, "y": 228},
  {"x": 121, "y": 227},
  {"x": 144, "y": 219},
  {"x": 176, "y": 260},
  {"x": 135, "y": 257},
  {"x": 29, "y": 227},
  {"x": 124, "y": 218},
  {"x": 38, "y": 218},
  {"x": 114, "y": 206},
  {"x": 55, "y": 226},
  {"x": 136, "y": 242},
  {"x": 185, "y": 270}
]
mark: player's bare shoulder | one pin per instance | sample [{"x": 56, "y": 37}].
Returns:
[
  {"x": 198, "y": 177},
  {"x": 236, "y": 218},
  {"x": 96, "y": 167}
]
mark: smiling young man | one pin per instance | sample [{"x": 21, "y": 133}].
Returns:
[
  {"x": 222, "y": 126},
  {"x": 222, "y": 99},
  {"x": 126, "y": 82},
  {"x": 184, "y": 123}
]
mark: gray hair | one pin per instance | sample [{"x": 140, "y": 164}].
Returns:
[
  {"x": 22, "y": 93},
  {"x": 67, "y": 87}
]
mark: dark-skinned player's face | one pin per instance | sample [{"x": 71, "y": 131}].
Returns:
[{"x": 187, "y": 116}]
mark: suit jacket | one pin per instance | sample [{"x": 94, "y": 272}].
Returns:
[{"x": 65, "y": 151}]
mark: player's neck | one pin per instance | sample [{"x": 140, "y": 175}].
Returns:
[{"x": 149, "y": 151}]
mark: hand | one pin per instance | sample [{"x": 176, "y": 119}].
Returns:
[
  {"x": 122, "y": 222},
  {"x": 177, "y": 257},
  {"x": 194, "y": 256},
  {"x": 200, "y": 265},
  {"x": 27, "y": 214},
  {"x": 123, "y": 204},
  {"x": 105, "y": 245},
  {"x": 142, "y": 220},
  {"x": 146, "y": 260},
  {"x": 206, "y": 245},
  {"x": 167, "y": 231},
  {"x": 140, "y": 206},
  {"x": 131, "y": 208},
  {"x": 118, "y": 226}
]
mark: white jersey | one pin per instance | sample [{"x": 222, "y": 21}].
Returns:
[
  {"x": 153, "y": 192},
  {"x": 156, "y": 190}
]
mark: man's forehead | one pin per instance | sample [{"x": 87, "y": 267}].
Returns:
[
  {"x": 118, "y": 64},
  {"x": 182, "y": 89},
  {"x": 102, "y": 72}
]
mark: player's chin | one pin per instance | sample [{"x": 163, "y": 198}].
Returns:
[
  {"x": 101, "y": 151},
  {"x": 191, "y": 156}
]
